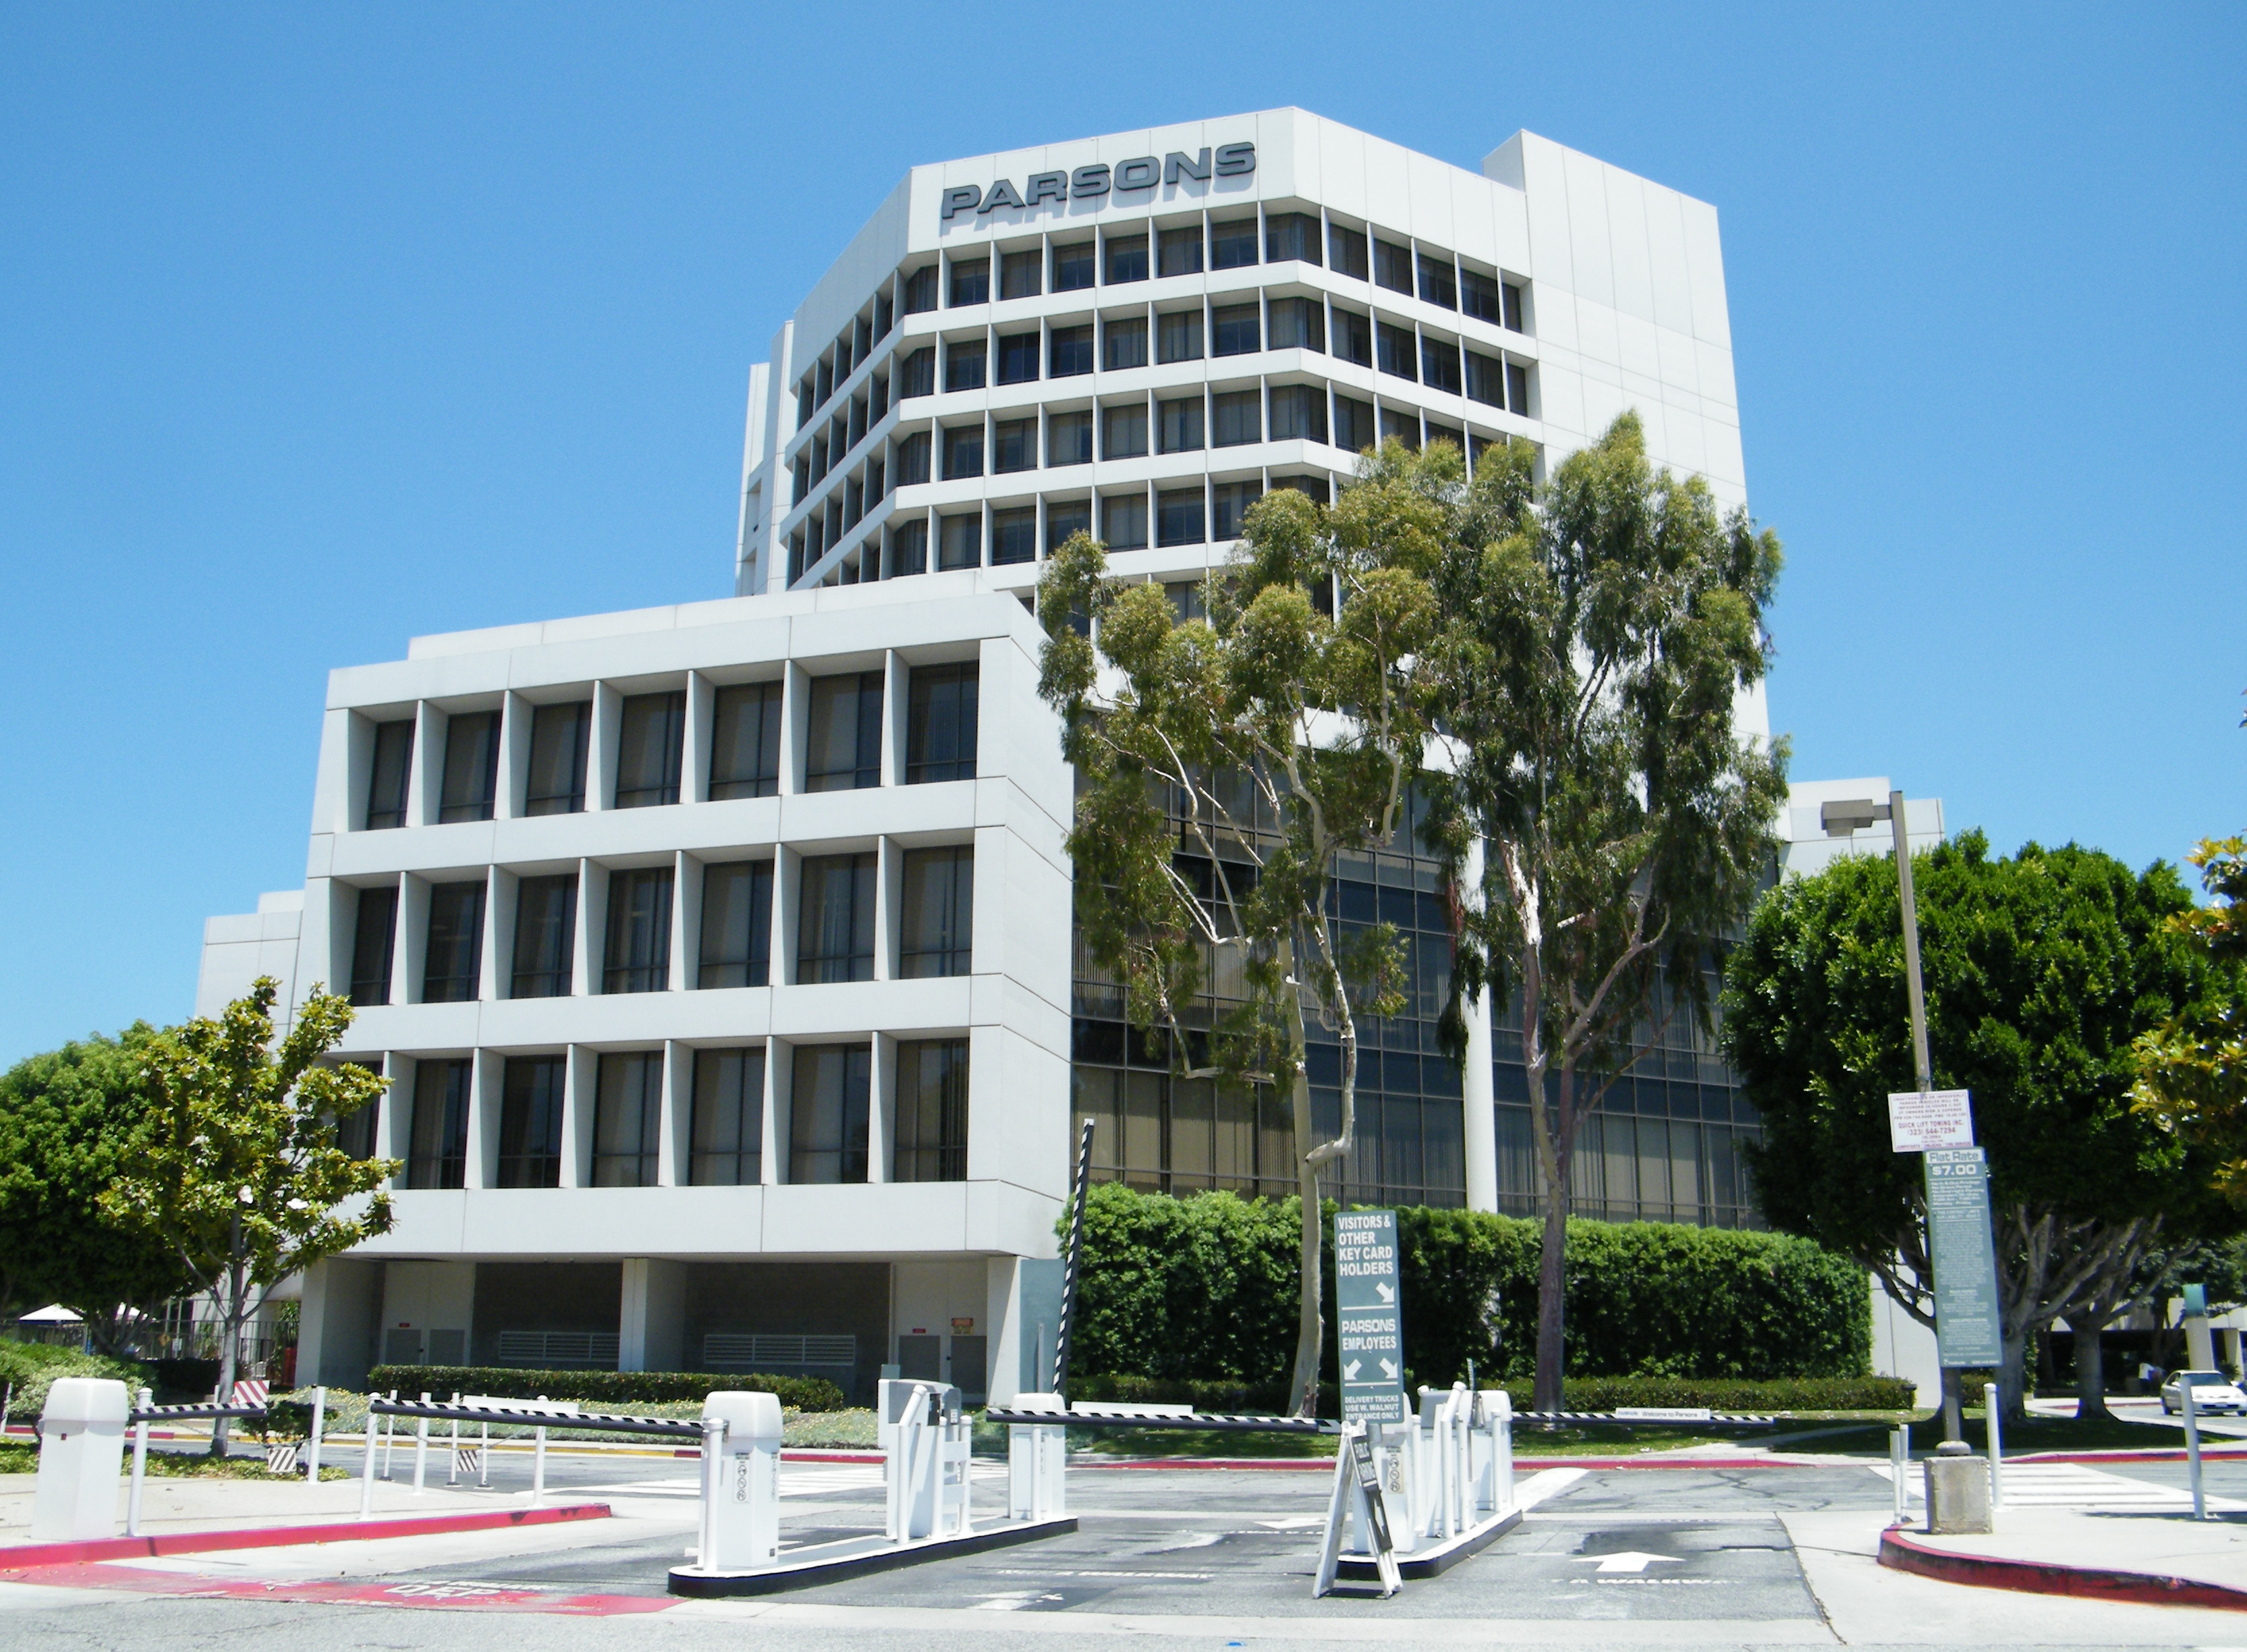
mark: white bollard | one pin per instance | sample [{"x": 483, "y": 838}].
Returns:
[
  {"x": 367, "y": 1467},
  {"x": 452, "y": 1474},
  {"x": 912, "y": 1452},
  {"x": 389, "y": 1437},
  {"x": 420, "y": 1448},
  {"x": 139, "y": 1467},
  {"x": 81, "y": 1453},
  {"x": 1990, "y": 1397},
  {"x": 538, "y": 1464},
  {"x": 741, "y": 1479},
  {"x": 319, "y": 1432},
  {"x": 1037, "y": 1462}
]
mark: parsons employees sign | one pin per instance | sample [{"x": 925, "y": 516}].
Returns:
[{"x": 1086, "y": 183}]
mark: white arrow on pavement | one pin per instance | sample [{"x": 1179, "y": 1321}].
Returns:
[
  {"x": 1389, "y": 1369},
  {"x": 1388, "y": 1291},
  {"x": 1626, "y": 1560},
  {"x": 1349, "y": 1371}
]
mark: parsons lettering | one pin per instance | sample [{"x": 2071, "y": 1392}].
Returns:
[{"x": 1089, "y": 183}]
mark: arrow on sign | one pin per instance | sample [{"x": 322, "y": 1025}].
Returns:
[
  {"x": 1626, "y": 1560},
  {"x": 1388, "y": 1291},
  {"x": 1349, "y": 1371},
  {"x": 1389, "y": 1369}
]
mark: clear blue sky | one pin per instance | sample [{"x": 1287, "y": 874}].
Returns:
[{"x": 322, "y": 326}]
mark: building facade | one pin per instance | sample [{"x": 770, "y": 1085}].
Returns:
[{"x": 721, "y": 955}]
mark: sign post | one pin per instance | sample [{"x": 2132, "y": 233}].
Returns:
[
  {"x": 1368, "y": 1317},
  {"x": 1968, "y": 1330}
]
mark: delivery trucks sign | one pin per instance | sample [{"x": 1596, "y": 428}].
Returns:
[{"x": 1369, "y": 1317}]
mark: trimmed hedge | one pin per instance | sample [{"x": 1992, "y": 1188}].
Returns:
[
  {"x": 1202, "y": 1291},
  {"x": 1583, "y": 1393},
  {"x": 601, "y": 1388},
  {"x": 29, "y": 1369}
]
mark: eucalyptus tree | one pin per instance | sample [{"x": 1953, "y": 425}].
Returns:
[{"x": 1224, "y": 766}]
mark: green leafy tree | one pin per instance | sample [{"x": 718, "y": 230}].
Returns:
[
  {"x": 68, "y": 1119},
  {"x": 1607, "y": 815},
  {"x": 1225, "y": 764},
  {"x": 237, "y": 1169},
  {"x": 2040, "y": 970},
  {"x": 2193, "y": 1067}
]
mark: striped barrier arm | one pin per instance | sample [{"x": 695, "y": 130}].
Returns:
[
  {"x": 1095, "y": 1418},
  {"x": 1609, "y": 1419},
  {"x": 602, "y": 1422}
]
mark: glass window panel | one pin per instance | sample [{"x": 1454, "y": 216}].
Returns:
[
  {"x": 909, "y": 549},
  {"x": 931, "y": 1130},
  {"x": 1013, "y": 537},
  {"x": 1069, "y": 439},
  {"x": 941, "y": 723},
  {"x": 963, "y": 451},
  {"x": 1353, "y": 337},
  {"x": 736, "y": 925},
  {"x": 1127, "y": 258},
  {"x": 1299, "y": 413},
  {"x": 1230, "y": 501},
  {"x": 1143, "y": 1129},
  {"x": 530, "y": 1122},
  {"x": 1232, "y": 244},
  {"x": 437, "y": 1152},
  {"x": 725, "y": 1148},
  {"x": 1393, "y": 348},
  {"x": 1125, "y": 343},
  {"x": 971, "y": 281},
  {"x": 916, "y": 377},
  {"x": 1070, "y": 351},
  {"x": 374, "y": 944},
  {"x": 1236, "y": 419},
  {"x": 1065, "y": 518},
  {"x": 1440, "y": 363},
  {"x": 651, "y": 733},
  {"x": 1392, "y": 265},
  {"x": 920, "y": 292},
  {"x": 745, "y": 739},
  {"x": 960, "y": 543},
  {"x": 1181, "y": 424},
  {"x": 545, "y": 935},
  {"x": 937, "y": 927},
  {"x": 1018, "y": 357},
  {"x": 1123, "y": 521},
  {"x": 1018, "y": 274},
  {"x": 1298, "y": 324},
  {"x": 391, "y": 774},
  {"x": 1512, "y": 295},
  {"x": 1439, "y": 284},
  {"x": 1124, "y": 434},
  {"x": 1517, "y": 390},
  {"x": 471, "y": 766},
  {"x": 626, "y": 1118},
  {"x": 1235, "y": 330},
  {"x": 559, "y": 740},
  {"x": 1353, "y": 424},
  {"x": 844, "y": 731},
  {"x": 455, "y": 949},
  {"x": 1177, "y": 336},
  {"x": 1072, "y": 266},
  {"x": 1291, "y": 236},
  {"x": 1180, "y": 250},
  {"x": 1013, "y": 446},
  {"x": 828, "y": 1108},
  {"x": 1400, "y": 424},
  {"x": 1178, "y": 517},
  {"x": 637, "y": 957},
  {"x": 963, "y": 364},
  {"x": 834, "y": 929},
  {"x": 1346, "y": 251},
  {"x": 1479, "y": 297}
]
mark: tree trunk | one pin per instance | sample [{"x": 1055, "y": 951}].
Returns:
[
  {"x": 2090, "y": 1369},
  {"x": 2015, "y": 1345},
  {"x": 1552, "y": 1278},
  {"x": 234, "y": 1287},
  {"x": 1310, "y": 1332}
]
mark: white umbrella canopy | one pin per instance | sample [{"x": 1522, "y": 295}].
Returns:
[{"x": 53, "y": 1313}]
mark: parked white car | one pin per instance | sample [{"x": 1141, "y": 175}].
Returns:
[{"x": 2211, "y": 1391}]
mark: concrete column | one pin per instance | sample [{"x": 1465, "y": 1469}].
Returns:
[
  {"x": 779, "y": 1074},
  {"x": 897, "y": 677},
  {"x": 577, "y": 1102},
  {"x": 496, "y": 942},
  {"x": 601, "y": 750},
  {"x": 795, "y": 727},
  {"x": 694, "y": 758},
  {"x": 515, "y": 719},
  {"x": 684, "y": 868},
  {"x": 1477, "y": 1098},
  {"x": 882, "y": 1111},
  {"x": 406, "y": 975},
  {"x": 673, "y": 1133},
  {"x": 652, "y": 1323},
  {"x": 889, "y": 891},
  {"x": 425, "y": 774},
  {"x": 487, "y": 1084}
]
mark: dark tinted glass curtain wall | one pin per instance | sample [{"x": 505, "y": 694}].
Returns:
[
  {"x": 437, "y": 1154},
  {"x": 834, "y": 933},
  {"x": 457, "y": 932},
  {"x": 530, "y": 1122},
  {"x": 932, "y": 1111},
  {"x": 374, "y": 943},
  {"x": 391, "y": 774},
  {"x": 745, "y": 741},
  {"x": 560, "y": 736},
  {"x": 729, "y": 1118},
  {"x": 736, "y": 925},
  {"x": 638, "y": 956},
  {"x": 844, "y": 736},
  {"x": 471, "y": 766},
  {"x": 937, "y": 931},
  {"x": 941, "y": 723},
  {"x": 650, "y": 735},
  {"x": 545, "y": 935},
  {"x": 626, "y": 1118},
  {"x": 829, "y": 1110}
]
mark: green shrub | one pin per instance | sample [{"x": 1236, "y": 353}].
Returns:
[
  {"x": 600, "y": 1388},
  {"x": 1721, "y": 1393},
  {"x": 30, "y": 1368}
]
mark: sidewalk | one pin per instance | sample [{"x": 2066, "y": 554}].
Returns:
[
  {"x": 172, "y": 1506},
  {"x": 2156, "y": 1556}
]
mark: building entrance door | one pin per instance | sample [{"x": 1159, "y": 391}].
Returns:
[{"x": 920, "y": 1359}]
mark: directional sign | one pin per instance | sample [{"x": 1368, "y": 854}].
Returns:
[
  {"x": 1368, "y": 1319},
  {"x": 1921, "y": 1121},
  {"x": 1967, "y": 1328}
]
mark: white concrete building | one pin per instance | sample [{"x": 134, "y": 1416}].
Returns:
[{"x": 721, "y": 955}]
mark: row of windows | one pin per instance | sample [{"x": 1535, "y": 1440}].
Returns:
[
  {"x": 836, "y": 937},
  {"x": 829, "y": 1118},
  {"x": 843, "y": 747}
]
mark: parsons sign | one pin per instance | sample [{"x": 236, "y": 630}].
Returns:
[{"x": 1229, "y": 160}]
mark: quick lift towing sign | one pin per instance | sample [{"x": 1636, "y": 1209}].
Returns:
[{"x": 1370, "y": 1318}]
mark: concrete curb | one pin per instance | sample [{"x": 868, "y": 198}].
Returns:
[
  {"x": 1900, "y": 1553},
  {"x": 25, "y": 1557}
]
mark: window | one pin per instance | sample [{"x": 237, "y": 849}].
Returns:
[
  {"x": 1513, "y": 293},
  {"x": 1392, "y": 266},
  {"x": 1447, "y": 432},
  {"x": 1299, "y": 413},
  {"x": 374, "y": 943},
  {"x": 1070, "y": 352},
  {"x": 835, "y": 927},
  {"x": 1291, "y": 236},
  {"x": 1346, "y": 251},
  {"x": 1353, "y": 424},
  {"x": 745, "y": 741},
  {"x": 844, "y": 737},
  {"x": 1178, "y": 517},
  {"x": 971, "y": 281},
  {"x": 1353, "y": 337},
  {"x": 1236, "y": 419},
  {"x": 1232, "y": 244},
  {"x": 391, "y": 771},
  {"x": 828, "y": 1109},
  {"x": 1018, "y": 274},
  {"x": 1400, "y": 425},
  {"x": 1064, "y": 520},
  {"x": 1234, "y": 331},
  {"x": 963, "y": 364},
  {"x": 437, "y": 1154},
  {"x": 1072, "y": 266},
  {"x": 627, "y": 1115},
  {"x": 1123, "y": 521},
  {"x": 1127, "y": 345},
  {"x": 1440, "y": 363},
  {"x": 1179, "y": 252},
  {"x": 826, "y": 382},
  {"x": 530, "y": 1122},
  {"x": 1014, "y": 445},
  {"x": 727, "y": 1137},
  {"x": 1479, "y": 297},
  {"x": 1310, "y": 488},
  {"x": 1486, "y": 379},
  {"x": 941, "y": 723},
  {"x": 1124, "y": 432},
  {"x": 806, "y": 403},
  {"x": 1393, "y": 345},
  {"x": 559, "y": 736},
  {"x": 1177, "y": 336},
  {"x": 936, "y": 928},
  {"x": 1181, "y": 424},
  {"x": 916, "y": 373},
  {"x": 920, "y": 292},
  {"x": 650, "y": 734},
  {"x": 545, "y": 935},
  {"x": 1018, "y": 357},
  {"x": 355, "y": 1130},
  {"x": 1013, "y": 535},
  {"x": 930, "y": 1138},
  {"x": 1298, "y": 324},
  {"x": 736, "y": 925},
  {"x": 909, "y": 549},
  {"x": 1230, "y": 501},
  {"x": 637, "y": 956},
  {"x": 455, "y": 942},
  {"x": 1517, "y": 389},
  {"x": 961, "y": 544},
  {"x": 471, "y": 766},
  {"x": 913, "y": 459},
  {"x": 1438, "y": 284},
  {"x": 1069, "y": 439},
  {"x": 963, "y": 451},
  {"x": 1127, "y": 258}
]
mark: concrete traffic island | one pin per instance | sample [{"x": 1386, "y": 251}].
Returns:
[{"x": 2147, "y": 1559}]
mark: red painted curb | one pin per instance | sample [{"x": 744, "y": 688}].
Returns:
[
  {"x": 23, "y": 1557},
  {"x": 2042, "y": 1577}
]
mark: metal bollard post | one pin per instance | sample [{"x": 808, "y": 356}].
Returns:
[
  {"x": 1900, "y": 1467},
  {"x": 319, "y": 1432},
  {"x": 2192, "y": 1450},
  {"x": 1990, "y": 1398},
  {"x": 367, "y": 1469},
  {"x": 483, "y": 1459},
  {"x": 421, "y": 1448},
  {"x": 538, "y": 1464},
  {"x": 139, "y": 1467},
  {"x": 389, "y": 1437},
  {"x": 452, "y": 1471}
]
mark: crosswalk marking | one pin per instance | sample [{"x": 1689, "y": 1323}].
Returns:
[{"x": 2076, "y": 1485}]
